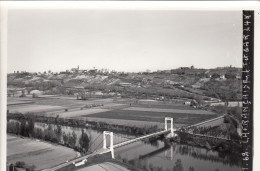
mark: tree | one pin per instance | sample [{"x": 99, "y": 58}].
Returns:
[
  {"x": 24, "y": 130},
  {"x": 191, "y": 168},
  {"x": 23, "y": 94},
  {"x": 178, "y": 166},
  {"x": 52, "y": 136},
  {"x": 20, "y": 164},
  {"x": 17, "y": 128},
  {"x": 65, "y": 138},
  {"x": 11, "y": 167},
  {"x": 199, "y": 100},
  {"x": 30, "y": 167},
  {"x": 84, "y": 141},
  {"x": 58, "y": 131},
  {"x": 49, "y": 127},
  {"x": 30, "y": 126},
  {"x": 57, "y": 119},
  {"x": 38, "y": 133},
  {"x": 72, "y": 138}
]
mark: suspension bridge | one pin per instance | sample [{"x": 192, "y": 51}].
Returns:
[
  {"x": 116, "y": 141},
  {"x": 111, "y": 141}
]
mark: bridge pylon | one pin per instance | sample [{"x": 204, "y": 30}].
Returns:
[
  {"x": 171, "y": 127},
  {"x": 111, "y": 136}
]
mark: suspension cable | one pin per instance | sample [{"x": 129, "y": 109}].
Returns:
[
  {"x": 98, "y": 145},
  {"x": 94, "y": 140}
]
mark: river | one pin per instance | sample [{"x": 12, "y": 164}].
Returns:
[{"x": 170, "y": 156}]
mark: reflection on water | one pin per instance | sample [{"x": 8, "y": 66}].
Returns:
[
  {"x": 157, "y": 155},
  {"x": 173, "y": 156}
]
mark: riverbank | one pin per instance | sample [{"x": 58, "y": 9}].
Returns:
[
  {"x": 157, "y": 154},
  {"x": 217, "y": 144},
  {"x": 138, "y": 153},
  {"x": 186, "y": 136}
]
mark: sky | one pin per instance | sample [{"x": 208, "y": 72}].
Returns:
[{"x": 122, "y": 40}]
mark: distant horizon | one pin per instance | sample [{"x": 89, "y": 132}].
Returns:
[
  {"x": 147, "y": 70},
  {"x": 122, "y": 40}
]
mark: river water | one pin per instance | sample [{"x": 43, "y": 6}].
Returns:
[{"x": 157, "y": 154}]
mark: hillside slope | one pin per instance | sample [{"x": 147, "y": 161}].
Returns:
[{"x": 179, "y": 83}]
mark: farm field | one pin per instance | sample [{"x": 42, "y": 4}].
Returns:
[
  {"x": 164, "y": 106},
  {"x": 121, "y": 112},
  {"x": 33, "y": 108},
  {"x": 114, "y": 106},
  {"x": 76, "y": 113},
  {"x": 18, "y": 102},
  {"x": 132, "y": 123},
  {"x": 168, "y": 110},
  {"x": 41, "y": 154},
  {"x": 60, "y": 101},
  {"x": 180, "y": 118}
]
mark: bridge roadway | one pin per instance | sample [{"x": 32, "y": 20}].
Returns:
[{"x": 103, "y": 151}]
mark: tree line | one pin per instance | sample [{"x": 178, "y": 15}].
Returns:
[
  {"x": 99, "y": 126},
  {"x": 20, "y": 165},
  {"x": 52, "y": 134}
]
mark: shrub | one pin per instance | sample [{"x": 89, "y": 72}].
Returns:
[{"x": 20, "y": 164}]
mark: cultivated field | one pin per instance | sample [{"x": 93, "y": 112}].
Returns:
[
  {"x": 41, "y": 154},
  {"x": 132, "y": 123},
  {"x": 18, "y": 102},
  {"x": 58, "y": 104},
  {"x": 120, "y": 111},
  {"x": 168, "y": 110},
  {"x": 180, "y": 118},
  {"x": 77, "y": 113},
  {"x": 33, "y": 108},
  {"x": 165, "y": 106},
  {"x": 64, "y": 101},
  {"x": 114, "y": 106}
]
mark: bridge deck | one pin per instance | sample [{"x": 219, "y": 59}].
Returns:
[{"x": 101, "y": 151}]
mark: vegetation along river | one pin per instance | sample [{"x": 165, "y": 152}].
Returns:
[{"x": 158, "y": 155}]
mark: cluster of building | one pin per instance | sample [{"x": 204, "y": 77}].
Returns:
[{"x": 23, "y": 92}]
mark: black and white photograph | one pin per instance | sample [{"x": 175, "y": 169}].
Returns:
[{"x": 127, "y": 87}]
